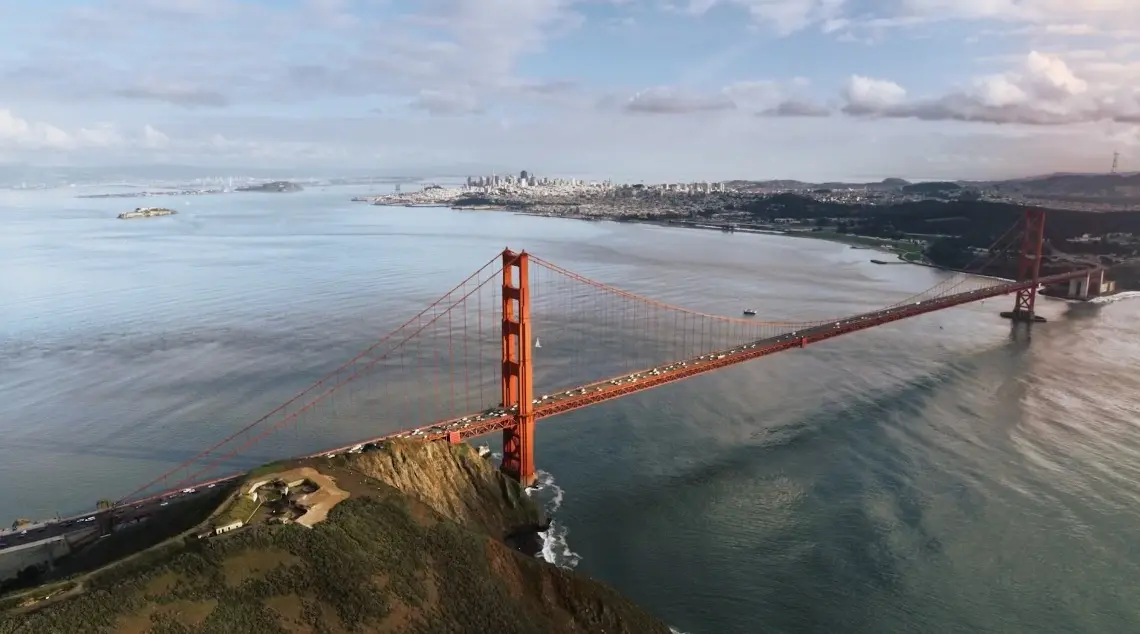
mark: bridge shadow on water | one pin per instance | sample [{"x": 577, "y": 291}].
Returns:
[
  {"x": 831, "y": 508},
  {"x": 62, "y": 449}
]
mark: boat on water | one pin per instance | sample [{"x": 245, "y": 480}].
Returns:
[
  {"x": 749, "y": 312},
  {"x": 537, "y": 342}
]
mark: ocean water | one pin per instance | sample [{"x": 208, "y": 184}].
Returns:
[{"x": 935, "y": 475}]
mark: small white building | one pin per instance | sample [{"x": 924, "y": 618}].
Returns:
[
  {"x": 39, "y": 554},
  {"x": 218, "y": 530}
]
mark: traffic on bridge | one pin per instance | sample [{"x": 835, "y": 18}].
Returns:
[{"x": 706, "y": 342}]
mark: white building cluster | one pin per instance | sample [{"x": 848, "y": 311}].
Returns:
[
  {"x": 702, "y": 187},
  {"x": 509, "y": 183},
  {"x": 487, "y": 184},
  {"x": 530, "y": 189}
]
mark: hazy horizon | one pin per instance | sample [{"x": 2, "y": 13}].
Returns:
[{"x": 57, "y": 176}]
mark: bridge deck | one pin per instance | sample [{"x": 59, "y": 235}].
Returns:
[{"x": 479, "y": 424}]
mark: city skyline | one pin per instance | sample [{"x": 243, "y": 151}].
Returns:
[{"x": 649, "y": 90}]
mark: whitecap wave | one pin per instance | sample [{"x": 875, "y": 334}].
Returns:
[
  {"x": 555, "y": 548},
  {"x": 1117, "y": 297}
]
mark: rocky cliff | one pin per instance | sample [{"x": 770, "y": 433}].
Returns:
[
  {"x": 456, "y": 482},
  {"x": 416, "y": 548}
]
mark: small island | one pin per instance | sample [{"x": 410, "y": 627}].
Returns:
[
  {"x": 275, "y": 186},
  {"x": 146, "y": 212}
]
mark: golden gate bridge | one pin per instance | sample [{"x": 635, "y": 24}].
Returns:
[{"x": 466, "y": 365}]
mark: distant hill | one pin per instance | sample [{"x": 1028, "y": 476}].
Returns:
[
  {"x": 885, "y": 184},
  {"x": 418, "y": 547},
  {"x": 1076, "y": 187},
  {"x": 275, "y": 187},
  {"x": 1069, "y": 185},
  {"x": 931, "y": 188}
]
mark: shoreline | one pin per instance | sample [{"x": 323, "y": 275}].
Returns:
[
  {"x": 869, "y": 243},
  {"x": 882, "y": 245},
  {"x": 903, "y": 252}
]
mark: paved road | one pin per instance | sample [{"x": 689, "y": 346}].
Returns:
[
  {"x": 142, "y": 509},
  {"x": 122, "y": 515}
]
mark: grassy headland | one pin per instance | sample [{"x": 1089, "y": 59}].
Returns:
[{"x": 417, "y": 547}]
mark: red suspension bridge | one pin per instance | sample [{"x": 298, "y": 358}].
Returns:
[{"x": 507, "y": 347}]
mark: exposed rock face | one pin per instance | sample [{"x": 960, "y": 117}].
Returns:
[{"x": 456, "y": 482}]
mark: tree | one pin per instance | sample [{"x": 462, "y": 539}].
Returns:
[
  {"x": 104, "y": 504},
  {"x": 949, "y": 252}
]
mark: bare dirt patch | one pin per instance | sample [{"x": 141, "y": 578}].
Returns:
[
  {"x": 318, "y": 503},
  {"x": 137, "y": 622},
  {"x": 254, "y": 564}
]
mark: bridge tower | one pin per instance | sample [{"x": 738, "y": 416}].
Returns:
[
  {"x": 1029, "y": 266},
  {"x": 518, "y": 383}
]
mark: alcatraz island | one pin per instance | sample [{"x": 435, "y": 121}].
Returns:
[
  {"x": 146, "y": 212},
  {"x": 1092, "y": 219}
]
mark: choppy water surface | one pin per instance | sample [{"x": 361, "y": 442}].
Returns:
[{"x": 935, "y": 475}]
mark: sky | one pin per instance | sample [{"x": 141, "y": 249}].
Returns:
[{"x": 652, "y": 90}]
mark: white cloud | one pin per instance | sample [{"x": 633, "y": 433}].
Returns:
[
  {"x": 670, "y": 100},
  {"x": 866, "y": 94},
  {"x": 469, "y": 80},
  {"x": 767, "y": 97},
  {"x": 154, "y": 138},
  {"x": 17, "y": 133},
  {"x": 1045, "y": 90}
]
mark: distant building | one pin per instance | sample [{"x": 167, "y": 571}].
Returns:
[
  {"x": 523, "y": 176},
  {"x": 39, "y": 556},
  {"x": 218, "y": 530}
]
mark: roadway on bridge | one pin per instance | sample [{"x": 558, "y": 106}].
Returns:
[{"x": 547, "y": 405}]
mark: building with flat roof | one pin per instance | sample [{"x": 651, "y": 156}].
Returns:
[{"x": 40, "y": 555}]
